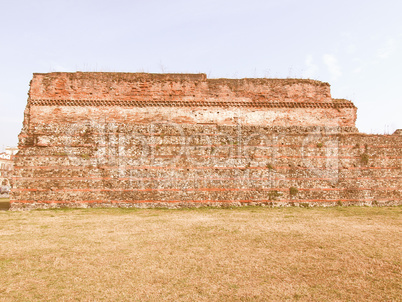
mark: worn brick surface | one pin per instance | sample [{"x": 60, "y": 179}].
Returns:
[{"x": 145, "y": 140}]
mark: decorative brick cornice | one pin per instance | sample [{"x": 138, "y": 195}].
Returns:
[{"x": 178, "y": 103}]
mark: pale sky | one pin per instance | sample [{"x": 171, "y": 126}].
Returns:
[{"x": 356, "y": 46}]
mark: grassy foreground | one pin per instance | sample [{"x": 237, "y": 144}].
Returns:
[{"x": 244, "y": 254}]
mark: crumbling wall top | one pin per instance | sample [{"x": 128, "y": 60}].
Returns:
[{"x": 171, "y": 86}]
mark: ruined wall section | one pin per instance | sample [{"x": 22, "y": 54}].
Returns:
[
  {"x": 169, "y": 87},
  {"x": 192, "y": 115},
  {"x": 184, "y": 98},
  {"x": 101, "y": 139},
  {"x": 151, "y": 165}
]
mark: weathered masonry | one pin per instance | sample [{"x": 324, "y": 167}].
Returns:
[{"x": 146, "y": 140}]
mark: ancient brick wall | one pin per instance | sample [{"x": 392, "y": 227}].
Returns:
[
  {"x": 101, "y": 139},
  {"x": 183, "y": 98}
]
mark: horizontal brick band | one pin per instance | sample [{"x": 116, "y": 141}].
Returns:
[
  {"x": 179, "y": 103},
  {"x": 203, "y": 201},
  {"x": 193, "y": 168},
  {"x": 201, "y": 178},
  {"x": 200, "y": 190},
  {"x": 231, "y": 145},
  {"x": 214, "y": 156}
]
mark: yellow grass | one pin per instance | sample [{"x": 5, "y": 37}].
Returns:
[{"x": 245, "y": 254}]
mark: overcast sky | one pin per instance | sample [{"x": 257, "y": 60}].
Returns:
[{"x": 356, "y": 46}]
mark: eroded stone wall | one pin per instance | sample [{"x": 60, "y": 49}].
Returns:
[{"x": 183, "y": 140}]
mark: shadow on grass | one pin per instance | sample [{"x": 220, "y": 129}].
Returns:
[{"x": 4, "y": 204}]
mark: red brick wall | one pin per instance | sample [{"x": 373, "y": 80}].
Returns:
[
  {"x": 187, "y": 87},
  {"x": 101, "y": 139},
  {"x": 185, "y": 98}
]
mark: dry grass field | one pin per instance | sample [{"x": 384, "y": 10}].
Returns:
[{"x": 242, "y": 254}]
